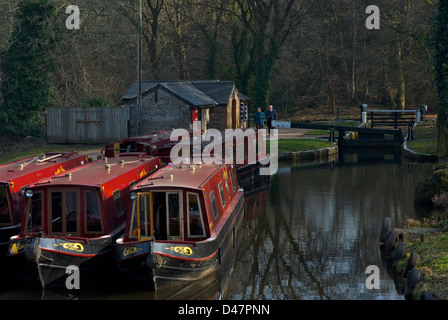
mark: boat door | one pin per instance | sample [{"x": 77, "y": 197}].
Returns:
[
  {"x": 5, "y": 208},
  {"x": 159, "y": 216}
]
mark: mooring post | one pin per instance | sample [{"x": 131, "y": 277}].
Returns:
[
  {"x": 410, "y": 131},
  {"x": 332, "y": 135}
]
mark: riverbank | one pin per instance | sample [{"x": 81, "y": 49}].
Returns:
[
  {"x": 427, "y": 242},
  {"x": 32, "y": 147},
  {"x": 423, "y": 147},
  {"x": 428, "y": 237}
]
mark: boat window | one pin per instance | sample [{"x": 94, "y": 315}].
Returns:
[
  {"x": 35, "y": 213},
  {"x": 118, "y": 205},
  {"x": 221, "y": 194},
  {"x": 5, "y": 216},
  {"x": 156, "y": 225},
  {"x": 64, "y": 211},
  {"x": 56, "y": 211},
  {"x": 195, "y": 220},
  {"x": 213, "y": 203},
  {"x": 71, "y": 211},
  {"x": 232, "y": 181},
  {"x": 142, "y": 222},
  {"x": 93, "y": 214},
  {"x": 173, "y": 202},
  {"x": 159, "y": 207},
  {"x": 133, "y": 232}
]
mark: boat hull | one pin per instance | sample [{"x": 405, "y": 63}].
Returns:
[
  {"x": 170, "y": 264},
  {"x": 46, "y": 260}
]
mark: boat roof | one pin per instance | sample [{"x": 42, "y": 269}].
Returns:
[
  {"x": 99, "y": 173},
  {"x": 153, "y": 137},
  {"x": 32, "y": 165},
  {"x": 180, "y": 176}
]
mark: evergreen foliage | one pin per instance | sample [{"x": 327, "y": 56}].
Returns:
[
  {"x": 27, "y": 66},
  {"x": 441, "y": 73}
]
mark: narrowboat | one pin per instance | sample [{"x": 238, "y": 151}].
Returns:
[
  {"x": 16, "y": 176},
  {"x": 249, "y": 154},
  {"x": 156, "y": 144},
  {"x": 185, "y": 223},
  {"x": 73, "y": 219},
  {"x": 241, "y": 145}
]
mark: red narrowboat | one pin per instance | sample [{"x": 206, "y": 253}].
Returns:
[
  {"x": 184, "y": 224},
  {"x": 156, "y": 144},
  {"x": 73, "y": 219},
  {"x": 17, "y": 175},
  {"x": 245, "y": 146},
  {"x": 248, "y": 151}
]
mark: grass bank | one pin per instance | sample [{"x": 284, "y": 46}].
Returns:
[
  {"x": 297, "y": 145},
  {"x": 425, "y": 138}
]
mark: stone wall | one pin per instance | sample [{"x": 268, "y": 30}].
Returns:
[{"x": 161, "y": 110}]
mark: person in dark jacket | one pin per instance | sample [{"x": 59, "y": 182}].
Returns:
[
  {"x": 271, "y": 115},
  {"x": 259, "y": 119}
]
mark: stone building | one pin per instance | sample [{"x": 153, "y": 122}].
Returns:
[{"x": 176, "y": 104}]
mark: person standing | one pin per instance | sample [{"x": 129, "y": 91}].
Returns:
[
  {"x": 259, "y": 119},
  {"x": 271, "y": 115}
]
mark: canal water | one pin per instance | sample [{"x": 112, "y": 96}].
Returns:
[{"x": 311, "y": 234}]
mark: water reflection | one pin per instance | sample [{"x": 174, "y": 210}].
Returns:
[{"x": 320, "y": 230}]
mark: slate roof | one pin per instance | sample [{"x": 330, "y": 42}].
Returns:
[
  {"x": 189, "y": 93},
  {"x": 198, "y": 93}
]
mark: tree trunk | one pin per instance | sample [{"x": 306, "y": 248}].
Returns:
[{"x": 401, "y": 94}]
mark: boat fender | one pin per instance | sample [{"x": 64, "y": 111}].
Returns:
[
  {"x": 33, "y": 251},
  {"x": 154, "y": 261}
]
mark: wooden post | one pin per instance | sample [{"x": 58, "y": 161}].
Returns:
[{"x": 332, "y": 137}]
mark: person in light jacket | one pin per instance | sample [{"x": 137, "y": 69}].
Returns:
[{"x": 271, "y": 115}]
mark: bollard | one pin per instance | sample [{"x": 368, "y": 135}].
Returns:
[
  {"x": 364, "y": 117},
  {"x": 417, "y": 116}
]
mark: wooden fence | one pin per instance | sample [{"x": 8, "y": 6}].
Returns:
[{"x": 87, "y": 125}]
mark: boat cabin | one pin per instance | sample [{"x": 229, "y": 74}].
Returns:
[
  {"x": 86, "y": 202},
  {"x": 17, "y": 175},
  {"x": 182, "y": 203}
]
